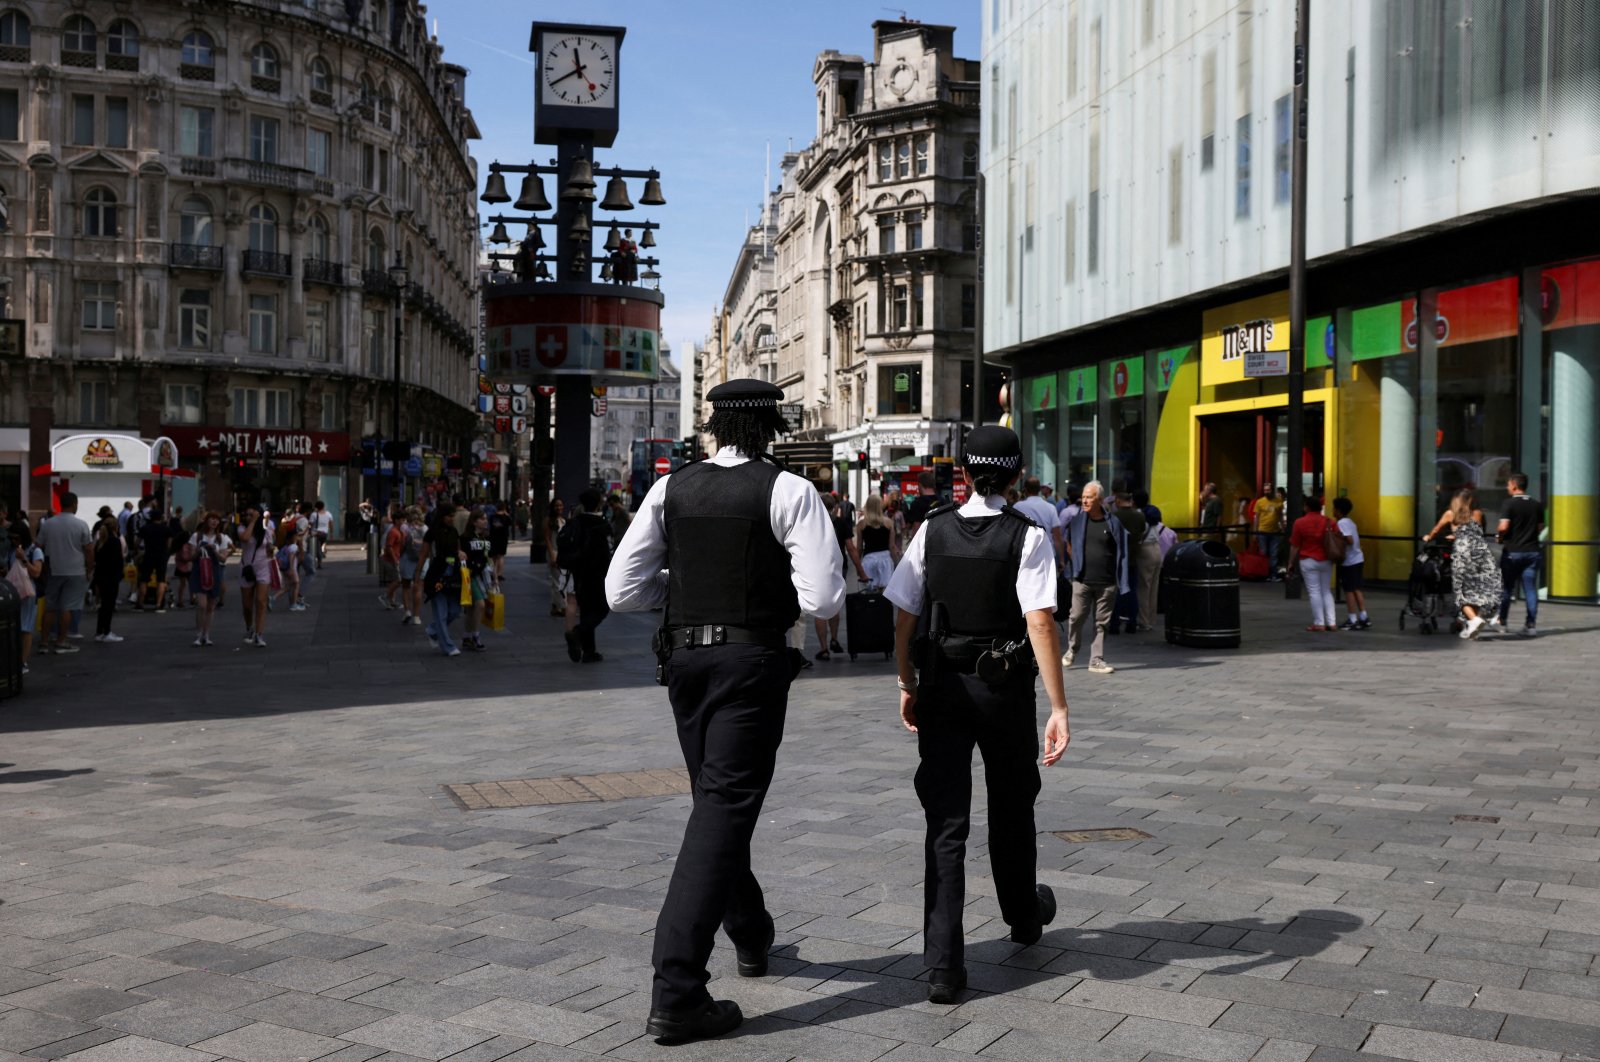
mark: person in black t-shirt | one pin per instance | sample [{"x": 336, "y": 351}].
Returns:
[
  {"x": 155, "y": 540},
  {"x": 1521, "y": 521},
  {"x": 925, "y": 500},
  {"x": 441, "y": 580},
  {"x": 479, "y": 547},
  {"x": 499, "y": 541}
]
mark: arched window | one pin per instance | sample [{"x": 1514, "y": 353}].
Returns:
[
  {"x": 385, "y": 106},
  {"x": 122, "y": 38},
  {"x": 320, "y": 245},
  {"x": 377, "y": 251},
  {"x": 378, "y": 11},
  {"x": 198, "y": 49},
  {"x": 321, "y": 76},
  {"x": 264, "y": 62},
  {"x": 194, "y": 222},
  {"x": 78, "y": 35},
  {"x": 100, "y": 212},
  {"x": 15, "y": 31},
  {"x": 263, "y": 228}
]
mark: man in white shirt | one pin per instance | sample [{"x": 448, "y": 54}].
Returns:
[
  {"x": 1042, "y": 513},
  {"x": 734, "y": 549},
  {"x": 69, "y": 548}
]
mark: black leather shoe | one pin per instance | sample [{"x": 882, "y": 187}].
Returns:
[
  {"x": 944, "y": 986},
  {"x": 717, "y": 1017},
  {"x": 1030, "y": 933},
  {"x": 753, "y": 963},
  {"x": 574, "y": 650}
]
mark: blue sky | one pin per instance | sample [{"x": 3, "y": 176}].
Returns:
[{"x": 705, "y": 86}]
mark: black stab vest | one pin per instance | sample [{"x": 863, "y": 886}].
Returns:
[
  {"x": 971, "y": 565},
  {"x": 724, "y": 564}
]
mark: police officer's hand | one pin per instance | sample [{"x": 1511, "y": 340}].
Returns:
[
  {"x": 1057, "y": 735},
  {"x": 908, "y": 709}
]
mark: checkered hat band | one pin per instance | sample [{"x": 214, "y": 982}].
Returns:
[
  {"x": 1002, "y": 462},
  {"x": 744, "y": 403}
]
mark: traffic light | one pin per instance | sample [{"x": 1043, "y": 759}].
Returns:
[
  {"x": 269, "y": 450},
  {"x": 861, "y": 461}
]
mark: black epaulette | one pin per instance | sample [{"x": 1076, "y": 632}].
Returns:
[
  {"x": 771, "y": 460},
  {"x": 940, "y": 510},
  {"x": 1011, "y": 510}
]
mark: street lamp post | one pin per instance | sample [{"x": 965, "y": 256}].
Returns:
[
  {"x": 1297, "y": 275},
  {"x": 398, "y": 276}
]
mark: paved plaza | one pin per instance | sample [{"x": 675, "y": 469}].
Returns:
[{"x": 1368, "y": 845}]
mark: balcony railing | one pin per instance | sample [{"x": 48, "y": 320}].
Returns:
[
  {"x": 376, "y": 282},
  {"x": 269, "y": 173},
  {"x": 321, "y": 99},
  {"x": 321, "y": 271},
  {"x": 197, "y": 72},
  {"x": 122, "y": 62},
  {"x": 265, "y": 84},
  {"x": 197, "y": 167},
  {"x": 194, "y": 256},
  {"x": 81, "y": 59},
  {"x": 267, "y": 263}
]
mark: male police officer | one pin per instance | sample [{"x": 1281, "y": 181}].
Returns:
[
  {"x": 746, "y": 548},
  {"x": 977, "y": 594}
]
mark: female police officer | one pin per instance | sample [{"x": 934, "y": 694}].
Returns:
[
  {"x": 736, "y": 549},
  {"x": 975, "y": 642}
]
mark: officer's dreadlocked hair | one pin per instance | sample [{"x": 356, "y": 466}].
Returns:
[{"x": 750, "y": 431}]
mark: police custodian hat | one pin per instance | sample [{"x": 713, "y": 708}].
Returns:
[
  {"x": 991, "y": 446},
  {"x": 749, "y": 396}
]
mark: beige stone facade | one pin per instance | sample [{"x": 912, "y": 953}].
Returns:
[{"x": 203, "y": 203}]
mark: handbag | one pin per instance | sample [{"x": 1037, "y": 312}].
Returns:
[
  {"x": 17, "y": 575},
  {"x": 466, "y": 591},
  {"x": 1333, "y": 542}
]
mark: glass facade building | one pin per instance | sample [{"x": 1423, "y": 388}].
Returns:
[{"x": 1137, "y": 213}]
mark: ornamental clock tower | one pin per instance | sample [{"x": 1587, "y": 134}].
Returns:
[{"x": 578, "y": 82}]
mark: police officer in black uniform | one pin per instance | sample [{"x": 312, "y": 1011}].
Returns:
[
  {"x": 977, "y": 594},
  {"x": 735, "y": 549}
]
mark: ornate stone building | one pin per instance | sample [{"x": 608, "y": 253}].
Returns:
[
  {"x": 876, "y": 271},
  {"x": 205, "y": 201}
]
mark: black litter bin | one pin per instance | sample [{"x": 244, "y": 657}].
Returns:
[
  {"x": 10, "y": 641},
  {"x": 1201, "y": 584}
]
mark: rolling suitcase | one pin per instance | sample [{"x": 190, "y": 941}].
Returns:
[{"x": 869, "y": 623}]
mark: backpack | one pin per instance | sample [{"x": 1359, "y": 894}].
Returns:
[
  {"x": 569, "y": 545},
  {"x": 1333, "y": 542}
]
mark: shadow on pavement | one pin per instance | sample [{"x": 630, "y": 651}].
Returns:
[
  {"x": 1115, "y": 953},
  {"x": 20, "y": 777}
]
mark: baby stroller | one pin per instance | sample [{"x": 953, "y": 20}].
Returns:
[{"x": 1428, "y": 590}]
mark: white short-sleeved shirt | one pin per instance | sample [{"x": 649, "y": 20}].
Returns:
[
  {"x": 1039, "y": 511},
  {"x": 1036, "y": 576},
  {"x": 637, "y": 578},
  {"x": 1352, "y": 551}
]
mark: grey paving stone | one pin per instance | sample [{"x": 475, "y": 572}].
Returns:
[
  {"x": 73, "y": 1044},
  {"x": 1027, "y": 1045},
  {"x": 215, "y": 958},
  {"x": 420, "y": 997},
  {"x": 175, "y": 1023},
  {"x": 73, "y": 999},
  {"x": 260, "y": 1042},
  {"x": 1420, "y": 1046},
  {"x": 1575, "y": 1041},
  {"x": 315, "y": 1014},
  {"x": 551, "y": 1025},
  {"x": 420, "y": 1037},
  {"x": 1456, "y": 1020},
  {"x": 24, "y": 1030},
  {"x": 1318, "y": 1029},
  {"x": 139, "y": 1049},
  {"x": 1149, "y": 1034},
  {"x": 323, "y": 946}
]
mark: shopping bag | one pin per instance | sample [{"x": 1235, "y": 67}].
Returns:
[
  {"x": 466, "y": 589},
  {"x": 494, "y": 611}
]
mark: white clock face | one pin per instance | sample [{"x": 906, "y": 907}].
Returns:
[{"x": 578, "y": 70}]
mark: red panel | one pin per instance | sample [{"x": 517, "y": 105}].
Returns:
[
  {"x": 1467, "y": 315},
  {"x": 1570, "y": 295}
]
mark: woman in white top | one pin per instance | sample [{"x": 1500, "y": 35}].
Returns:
[
  {"x": 211, "y": 551},
  {"x": 255, "y": 574},
  {"x": 1350, "y": 569}
]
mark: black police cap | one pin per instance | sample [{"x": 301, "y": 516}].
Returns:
[
  {"x": 745, "y": 394},
  {"x": 992, "y": 446}
]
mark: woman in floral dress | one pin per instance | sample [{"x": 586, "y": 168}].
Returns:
[{"x": 1475, "y": 576}]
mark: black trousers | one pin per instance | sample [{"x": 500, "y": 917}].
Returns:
[
  {"x": 105, "y": 592},
  {"x": 729, "y": 702},
  {"x": 953, "y": 714},
  {"x": 592, "y": 608}
]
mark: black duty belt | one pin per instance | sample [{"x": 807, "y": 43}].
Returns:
[{"x": 721, "y": 634}]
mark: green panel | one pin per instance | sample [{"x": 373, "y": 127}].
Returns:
[
  {"x": 1130, "y": 380},
  {"x": 1319, "y": 342},
  {"x": 1041, "y": 392},
  {"x": 1375, "y": 332},
  {"x": 1167, "y": 362},
  {"x": 1083, "y": 385}
]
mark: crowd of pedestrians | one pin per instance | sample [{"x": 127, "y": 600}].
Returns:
[{"x": 444, "y": 560}]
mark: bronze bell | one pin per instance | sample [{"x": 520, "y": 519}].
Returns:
[
  {"x": 495, "y": 190},
  {"x": 605, "y": 272},
  {"x": 616, "y": 195},
  {"x": 579, "y": 229},
  {"x": 580, "y": 181},
  {"x": 652, "y": 193},
  {"x": 535, "y": 236},
  {"x": 612, "y": 240},
  {"x": 540, "y": 272},
  {"x": 649, "y": 239},
  {"x": 532, "y": 197},
  {"x": 499, "y": 234}
]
